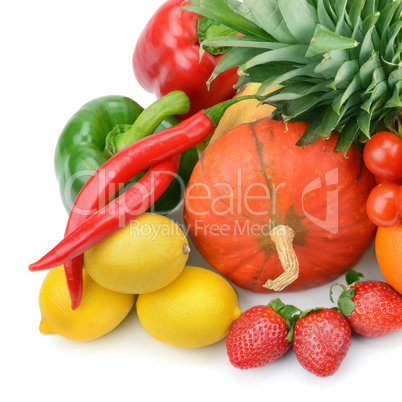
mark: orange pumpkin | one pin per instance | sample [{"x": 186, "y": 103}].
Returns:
[{"x": 270, "y": 215}]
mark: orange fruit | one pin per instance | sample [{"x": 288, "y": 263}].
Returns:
[{"x": 388, "y": 249}]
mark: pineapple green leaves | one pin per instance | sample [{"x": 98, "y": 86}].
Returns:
[{"x": 338, "y": 62}]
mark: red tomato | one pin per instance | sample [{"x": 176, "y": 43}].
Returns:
[
  {"x": 383, "y": 156},
  {"x": 399, "y": 200},
  {"x": 381, "y": 205},
  {"x": 379, "y": 180}
]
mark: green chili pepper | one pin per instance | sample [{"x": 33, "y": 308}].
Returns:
[{"x": 105, "y": 125}]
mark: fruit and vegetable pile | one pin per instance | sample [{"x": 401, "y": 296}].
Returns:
[{"x": 277, "y": 124}]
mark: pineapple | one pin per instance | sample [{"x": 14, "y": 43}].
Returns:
[{"x": 337, "y": 62}]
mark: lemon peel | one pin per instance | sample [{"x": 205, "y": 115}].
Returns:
[
  {"x": 195, "y": 310},
  {"x": 101, "y": 310},
  {"x": 144, "y": 256}
]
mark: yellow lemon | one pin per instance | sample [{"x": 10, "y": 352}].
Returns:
[
  {"x": 144, "y": 256},
  {"x": 197, "y": 309},
  {"x": 99, "y": 312}
]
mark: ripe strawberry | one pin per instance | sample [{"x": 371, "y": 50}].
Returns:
[
  {"x": 373, "y": 308},
  {"x": 321, "y": 340},
  {"x": 258, "y": 336}
]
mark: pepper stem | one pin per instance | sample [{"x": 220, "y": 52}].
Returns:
[
  {"x": 173, "y": 103},
  {"x": 283, "y": 237}
]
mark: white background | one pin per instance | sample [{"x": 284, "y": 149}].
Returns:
[{"x": 55, "y": 56}]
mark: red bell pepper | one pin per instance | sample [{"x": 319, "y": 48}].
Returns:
[{"x": 167, "y": 58}]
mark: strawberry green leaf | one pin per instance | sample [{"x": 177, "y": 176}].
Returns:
[
  {"x": 287, "y": 311},
  {"x": 290, "y": 334},
  {"x": 345, "y": 302},
  {"x": 276, "y": 304},
  {"x": 305, "y": 312},
  {"x": 353, "y": 276}
]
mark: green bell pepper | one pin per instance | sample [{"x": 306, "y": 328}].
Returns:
[{"x": 105, "y": 125}]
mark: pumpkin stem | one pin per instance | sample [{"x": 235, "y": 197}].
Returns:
[{"x": 283, "y": 236}]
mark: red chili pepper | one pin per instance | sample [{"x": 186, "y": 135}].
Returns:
[
  {"x": 129, "y": 205},
  {"x": 73, "y": 274},
  {"x": 89, "y": 201},
  {"x": 167, "y": 58},
  {"x": 86, "y": 204},
  {"x": 145, "y": 152},
  {"x": 138, "y": 199}
]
